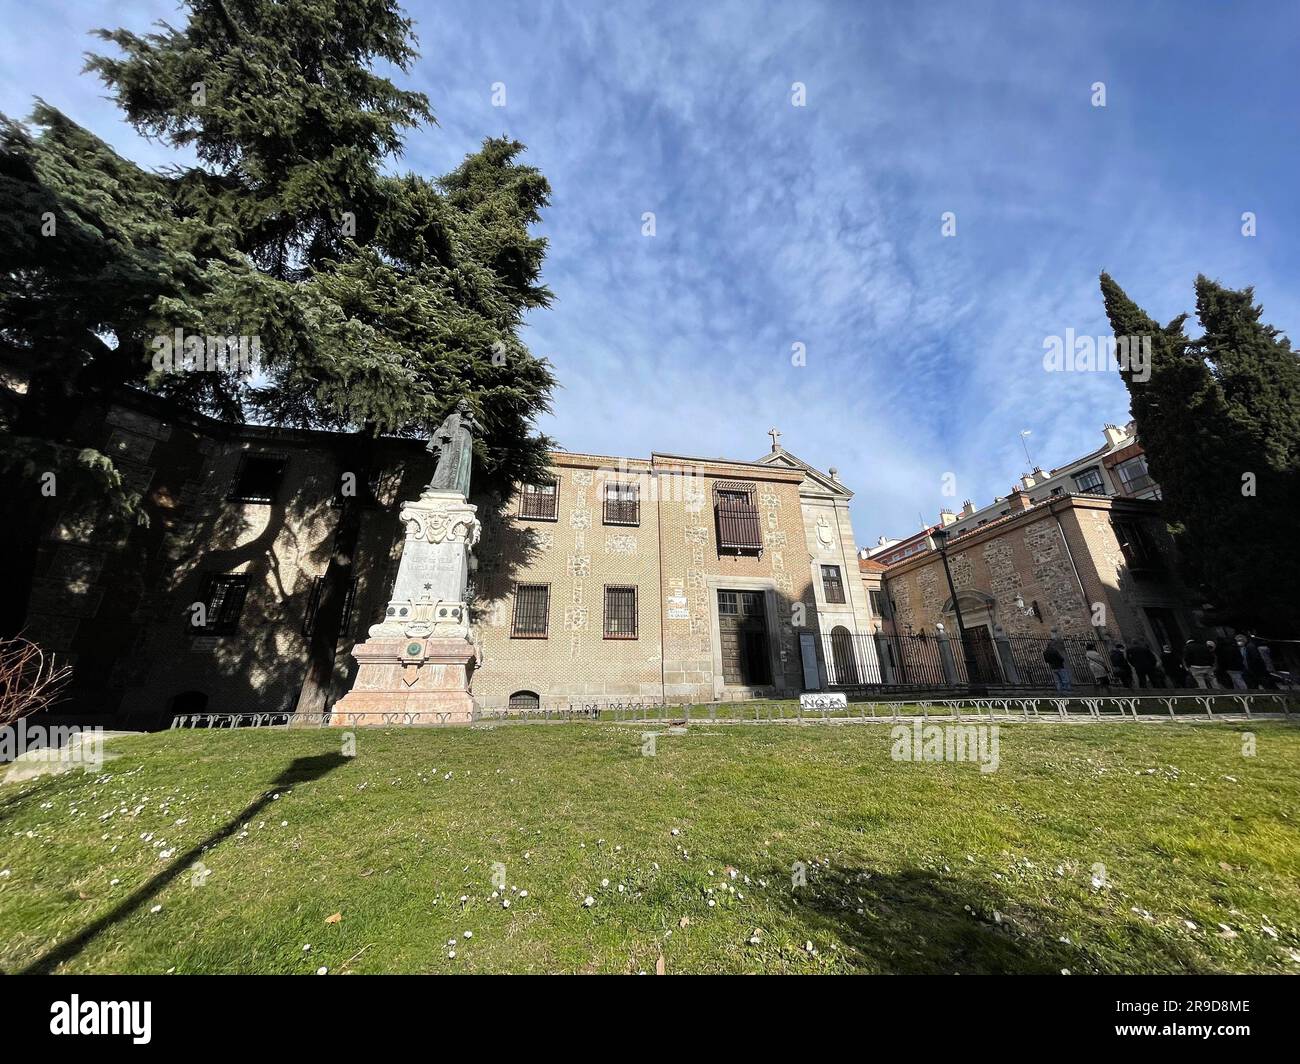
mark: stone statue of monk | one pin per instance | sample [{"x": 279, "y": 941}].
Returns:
[{"x": 452, "y": 442}]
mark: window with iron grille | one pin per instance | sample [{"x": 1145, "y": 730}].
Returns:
[
  {"x": 620, "y": 613},
  {"x": 313, "y": 607},
  {"x": 622, "y": 504},
  {"x": 524, "y": 702},
  {"x": 832, "y": 584},
  {"x": 538, "y": 501},
  {"x": 222, "y": 595},
  {"x": 739, "y": 528},
  {"x": 258, "y": 478},
  {"x": 532, "y": 611},
  {"x": 1089, "y": 482}
]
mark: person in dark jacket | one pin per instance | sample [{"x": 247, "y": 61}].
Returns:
[
  {"x": 1173, "y": 665},
  {"x": 1144, "y": 664},
  {"x": 1198, "y": 656},
  {"x": 1120, "y": 666},
  {"x": 1056, "y": 662},
  {"x": 1254, "y": 671}
]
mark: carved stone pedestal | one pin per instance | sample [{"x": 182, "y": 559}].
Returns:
[
  {"x": 417, "y": 665},
  {"x": 409, "y": 681}
]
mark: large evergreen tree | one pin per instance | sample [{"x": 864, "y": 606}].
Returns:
[
  {"x": 1219, "y": 419},
  {"x": 379, "y": 299}
]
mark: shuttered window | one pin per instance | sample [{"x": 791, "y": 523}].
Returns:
[
  {"x": 832, "y": 584},
  {"x": 620, "y": 613},
  {"x": 739, "y": 528},
  {"x": 532, "y": 611}
]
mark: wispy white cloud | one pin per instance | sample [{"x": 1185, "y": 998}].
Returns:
[{"x": 821, "y": 224}]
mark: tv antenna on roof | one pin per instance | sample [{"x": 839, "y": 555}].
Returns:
[{"x": 1024, "y": 440}]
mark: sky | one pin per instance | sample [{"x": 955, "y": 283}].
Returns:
[{"x": 799, "y": 161}]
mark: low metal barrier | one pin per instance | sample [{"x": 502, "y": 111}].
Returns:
[{"x": 1208, "y": 705}]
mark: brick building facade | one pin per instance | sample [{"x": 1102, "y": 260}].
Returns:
[{"x": 1073, "y": 565}]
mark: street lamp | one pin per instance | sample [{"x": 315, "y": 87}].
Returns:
[{"x": 940, "y": 536}]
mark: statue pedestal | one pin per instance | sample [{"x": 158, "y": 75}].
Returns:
[
  {"x": 417, "y": 665},
  {"x": 411, "y": 681}
]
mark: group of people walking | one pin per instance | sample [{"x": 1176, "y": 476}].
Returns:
[{"x": 1237, "y": 662}]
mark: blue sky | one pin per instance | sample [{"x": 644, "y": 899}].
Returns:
[{"x": 820, "y": 225}]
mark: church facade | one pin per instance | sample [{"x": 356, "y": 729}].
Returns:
[{"x": 667, "y": 578}]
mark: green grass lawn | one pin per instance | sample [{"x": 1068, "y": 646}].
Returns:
[{"x": 911, "y": 867}]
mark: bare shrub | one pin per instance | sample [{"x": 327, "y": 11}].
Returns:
[{"x": 29, "y": 679}]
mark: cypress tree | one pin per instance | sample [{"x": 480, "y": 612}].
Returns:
[{"x": 1219, "y": 419}]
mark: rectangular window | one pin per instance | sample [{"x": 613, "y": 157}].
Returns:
[
  {"x": 739, "y": 528},
  {"x": 313, "y": 607},
  {"x": 877, "y": 604},
  {"x": 1139, "y": 548},
  {"x": 532, "y": 611},
  {"x": 538, "y": 501},
  {"x": 258, "y": 478},
  {"x": 622, "y": 504},
  {"x": 1134, "y": 475},
  {"x": 620, "y": 613},
  {"x": 1088, "y": 482},
  {"x": 222, "y": 595},
  {"x": 832, "y": 585}
]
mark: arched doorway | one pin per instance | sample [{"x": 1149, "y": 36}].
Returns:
[{"x": 844, "y": 661}]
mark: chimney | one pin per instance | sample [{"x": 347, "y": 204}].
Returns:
[
  {"x": 946, "y": 517},
  {"x": 1113, "y": 435},
  {"x": 967, "y": 508},
  {"x": 1019, "y": 500},
  {"x": 1027, "y": 480}
]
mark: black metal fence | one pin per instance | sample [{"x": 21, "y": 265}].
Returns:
[{"x": 927, "y": 660}]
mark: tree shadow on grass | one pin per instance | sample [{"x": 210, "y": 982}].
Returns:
[
  {"x": 917, "y": 923},
  {"x": 300, "y": 770}
]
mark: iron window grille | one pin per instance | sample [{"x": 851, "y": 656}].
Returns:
[
  {"x": 313, "y": 607},
  {"x": 525, "y": 702},
  {"x": 258, "y": 478},
  {"x": 620, "y": 613},
  {"x": 223, "y": 597},
  {"x": 532, "y": 611},
  {"x": 739, "y": 528},
  {"x": 622, "y": 504},
  {"x": 832, "y": 584},
  {"x": 538, "y": 502}
]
